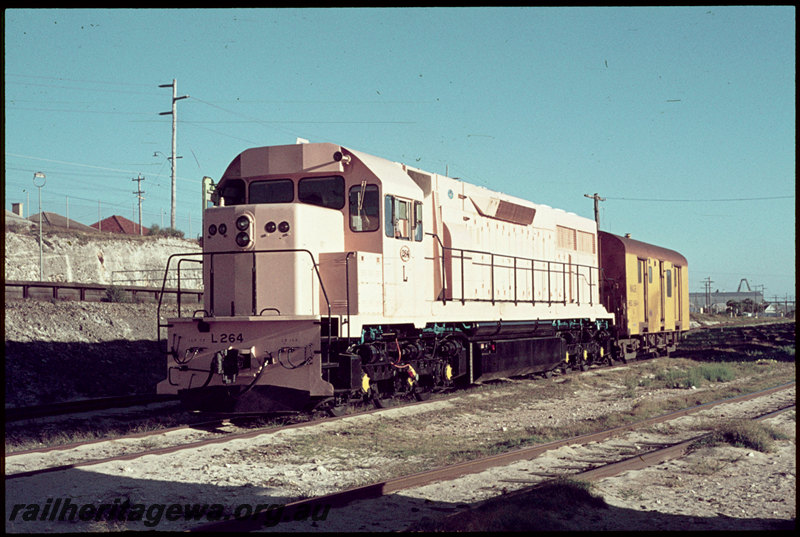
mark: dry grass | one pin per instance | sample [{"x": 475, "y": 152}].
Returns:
[{"x": 742, "y": 433}]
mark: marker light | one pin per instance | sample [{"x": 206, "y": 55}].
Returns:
[
  {"x": 212, "y": 230},
  {"x": 270, "y": 227},
  {"x": 223, "y": 229},
  {"x": 283, "y": 227}
]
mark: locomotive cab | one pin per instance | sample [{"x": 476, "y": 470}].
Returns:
[{"x": 292, "y": 250}]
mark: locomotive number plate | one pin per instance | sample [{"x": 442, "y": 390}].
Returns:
[{"x": 231, "y": 337}]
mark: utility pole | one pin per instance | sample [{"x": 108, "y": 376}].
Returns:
[
  {"x": 139, "y": 193},
  {"x": 707, "y": 282},
  {"x": 174, "y": 113},
  {"x": 596, "y": 199}
]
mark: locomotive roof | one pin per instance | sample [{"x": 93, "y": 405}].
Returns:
[
  {"x": 390, "y": 173},
  {"x": 644, "y": 249}
]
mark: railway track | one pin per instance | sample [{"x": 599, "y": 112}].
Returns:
[
  {"x": 371, "y": 491},
  {"x": 205, "y": 433},
  {"x": 609, "y": 463}
]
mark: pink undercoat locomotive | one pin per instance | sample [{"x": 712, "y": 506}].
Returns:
[{"x": 332, "y": 276}]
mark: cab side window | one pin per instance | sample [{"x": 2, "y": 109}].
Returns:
[
  {"x": 403, "y": 218},
  {"x": 232, "y": 192},
  {"x": 364, "y": 208}
]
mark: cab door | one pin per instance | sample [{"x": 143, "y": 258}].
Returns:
[{"x": 402, "y": 257}]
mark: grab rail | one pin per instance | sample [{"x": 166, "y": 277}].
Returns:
[
  {"x": 567, "y": 271},
  {"x": 210, "y": 289}
]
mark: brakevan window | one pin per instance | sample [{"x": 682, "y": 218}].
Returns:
[
  {"x": 323, "y": 191},
  {"x": 232, "y": 192},
  {"x": 364, "y": 208},
  {"x": 669, "y": 282},
  {"x": 272, "y": 191}
]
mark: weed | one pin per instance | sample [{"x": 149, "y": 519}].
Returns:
[
  {"x": 742, "y": 433},
  {"x": 695, "y": 376},
  {"x": 116, "y": 294},
  {"x": 672, "y": 378},
  {"x": 631, "y": 382},
  {"x": 715, "y": 372}
]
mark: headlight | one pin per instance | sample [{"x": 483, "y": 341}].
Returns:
[
  {"x": 223, "y": 229},
  {"x": 242, "y": 223},
  {"x": 242, "y": 239},
  {"x": 212, "y": 230},
  {"x": 283, "y": 227},
  {"x": 270, "y": 227}
]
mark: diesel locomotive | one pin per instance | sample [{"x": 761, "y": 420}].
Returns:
[{"x": 333, "y": 276}]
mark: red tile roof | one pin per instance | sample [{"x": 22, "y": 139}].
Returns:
[{"x": 120, "y": 224}]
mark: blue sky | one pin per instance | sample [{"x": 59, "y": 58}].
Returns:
[{"x": 683, "y": 118}]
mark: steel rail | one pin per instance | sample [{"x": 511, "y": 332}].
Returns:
[{"x": 657, "y": 456}]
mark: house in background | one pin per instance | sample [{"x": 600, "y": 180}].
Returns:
[
  {"x": 55, "y": 220},
  {"x": 120, "y": 224}
]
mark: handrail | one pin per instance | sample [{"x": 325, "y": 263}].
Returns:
[
  {"x": 179, "y": 276},
  {"x": 253, "y": 252},
  {"x": 573, "y": 269}
]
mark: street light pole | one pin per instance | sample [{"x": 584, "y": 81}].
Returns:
[{"x": 42, "y": 179}]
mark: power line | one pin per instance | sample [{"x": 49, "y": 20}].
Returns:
[
  {"x": 62, "y": 79},
  {"x": 705, "y": 200},
  {"x": 126, "y": 172}
]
